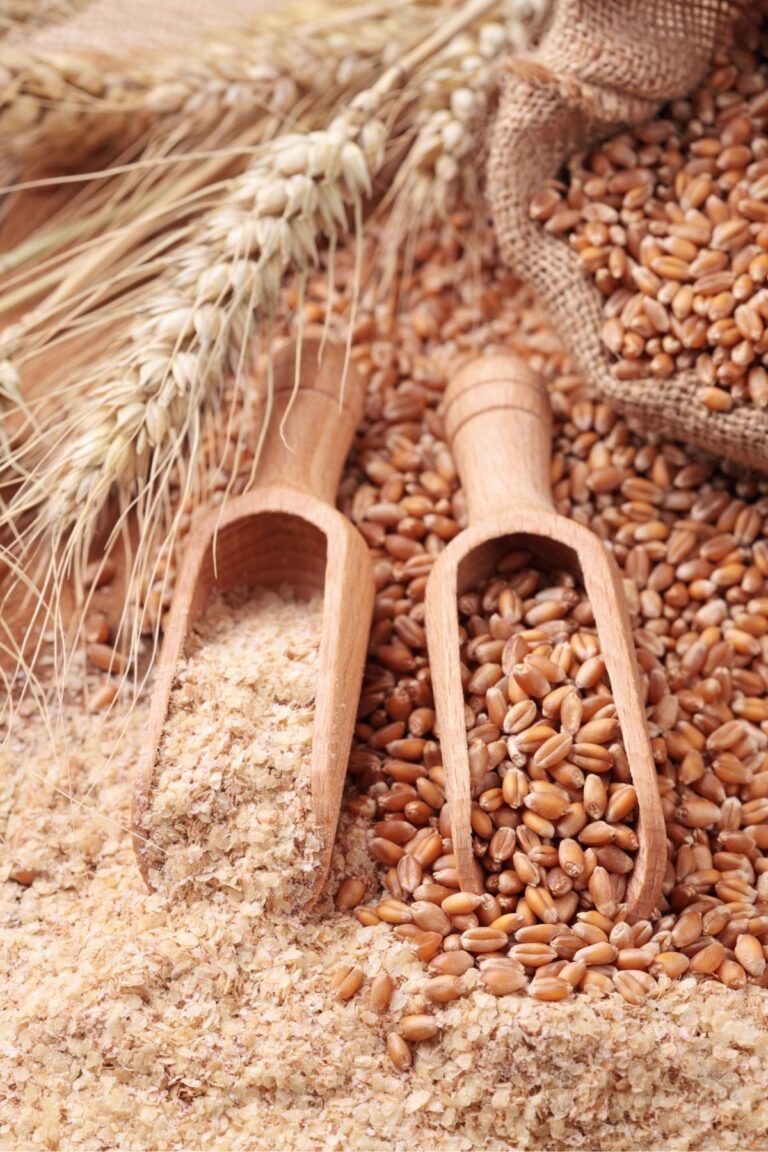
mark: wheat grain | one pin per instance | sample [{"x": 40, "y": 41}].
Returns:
[{"x": 695, "y": 573}]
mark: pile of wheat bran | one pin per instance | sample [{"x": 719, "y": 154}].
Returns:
[
  {"x": 230, "y": 802},
  {"x": 132, "y": 1021}
]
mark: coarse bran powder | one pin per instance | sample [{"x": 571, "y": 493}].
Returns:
[
  {"x": 132, "y": 1020},
  {"x": 231, "y": 804}
]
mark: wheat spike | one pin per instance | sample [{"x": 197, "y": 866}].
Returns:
[
  {"x": 135, "y": 424},
  {"x": 441, "y": 171},
  {"x": 60, "y": 101},
  {"x": 18, "y": 15}
]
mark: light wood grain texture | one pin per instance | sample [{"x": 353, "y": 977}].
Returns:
[
  {"x": 286, "y": 530},
  {"x": 498, "y": 423}
]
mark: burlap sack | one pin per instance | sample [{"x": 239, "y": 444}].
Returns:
[{"x": 602, "y": 65}]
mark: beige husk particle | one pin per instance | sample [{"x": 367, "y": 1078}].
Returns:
[{"x": 231, "y": 803}]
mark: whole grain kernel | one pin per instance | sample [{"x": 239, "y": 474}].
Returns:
[
  {"x": 708, "y": 959},
  {"x": 347, "y": 982},
  {"x": 597, "y": 983},
  {"x": 629, "y": 987},
  {"x": 537, "y": 933},
  {"x": 601, "y": 953},
  {"x": 573, "y": 972},
  {"x": 592, "y": 927},
  {"x": 394, "y": 912},
  {"x": 688, "y": 929},
  {"x": 442, "y": 989},
  {"x": 503, "y": 981},
  {"x": 104, "y": 696},
  {"x": 750, "y": 954},
  {"x": 399, "y": 1052},
  {"x": 452, "y": 963},
  {"x": 533, "y": 955},
  {"x": 672, "y": 964},
  {"x": 542, "y": 904},
  {"x": 367, "y": 916},
  {"x": 460, "y": 903},
  {"x": 508, "y": 922},
  {"x": 479, "y": 940},
  {"x": 382, "y": 989},
  {"x": 428, "y": 944},
  {"x": 602, "y": 892},
  {"x": 622, "y": 935},
  {"x": 634, "y": 958},
  {"x": 732, "y": 974},
  {"x": 351, "y": 892},
  {"x": 550, "y": 988},
  {"x": 549, "y": 805},
  {"x": 430, "y": 917},
  {"x": 571, "y": 857},
  {"x": 106, "y": 659},
  {"x": 417, "y": 1027}
]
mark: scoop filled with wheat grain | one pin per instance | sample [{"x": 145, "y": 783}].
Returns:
[
  {"x": 498, "y": 422},
  {"x": 257, "y": 574}
]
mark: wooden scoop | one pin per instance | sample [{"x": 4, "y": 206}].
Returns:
[
  {"x": 287, "y": 530},
  {"x": 498, "y": 422}
]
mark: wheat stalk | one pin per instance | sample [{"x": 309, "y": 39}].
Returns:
[
  {"x": 447, "y": 110},
  {"x": 175, "y": 356},
  {"x": 298, "y": 189},
  {"x": 215, "y": 109},
  {"x": 457, "y": 97},
  {"x": 136, "y": 424},
  {"x": 29, "y": 14},
  {"x": 50, "y": 100}
]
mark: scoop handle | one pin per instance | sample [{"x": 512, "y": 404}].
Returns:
[
  {"x": 311, "y": 418},
  {"x": 498, "y": 423}
]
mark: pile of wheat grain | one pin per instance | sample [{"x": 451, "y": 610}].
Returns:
[{"x": 669, "y": 220}]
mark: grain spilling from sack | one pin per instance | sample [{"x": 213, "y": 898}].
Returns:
[
  {"x": 670, "y": 220},
  {"x": 231, "y": 803}
]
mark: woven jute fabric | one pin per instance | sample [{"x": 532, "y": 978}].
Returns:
[{"x": 602, "y": 65}]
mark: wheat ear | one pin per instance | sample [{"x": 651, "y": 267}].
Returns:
[
  {"x": 54, "y": 102},
  {"x": 443, "y": 167},
  {"x": 26, "y": 15},
  {"x": 139, "y": 429}
]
